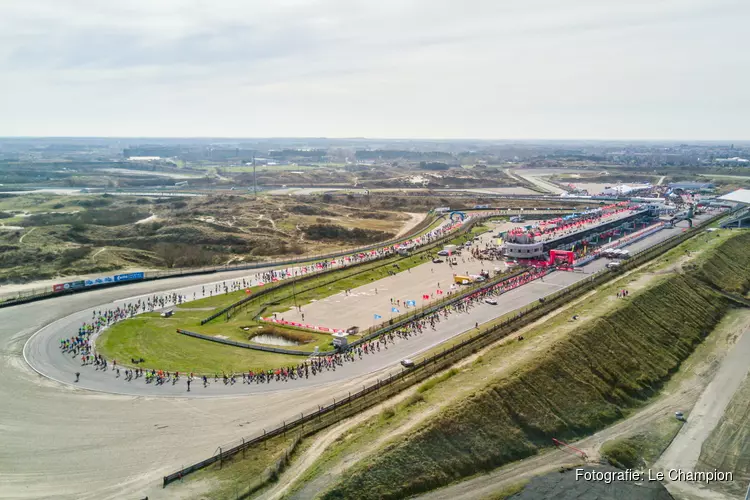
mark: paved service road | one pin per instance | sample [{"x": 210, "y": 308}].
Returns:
[{"x": 62, "y": 441}]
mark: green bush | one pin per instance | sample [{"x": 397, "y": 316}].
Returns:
[
  {"x": 414, "y": 399},
  {"x": 622, "y": 454},
  {"x": 436, "y": 380},
  {"x": 340, "y": 233},
  {"x": 387, "y": 413}
]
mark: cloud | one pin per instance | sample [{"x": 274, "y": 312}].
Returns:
[{"x": 411, "y": 68}]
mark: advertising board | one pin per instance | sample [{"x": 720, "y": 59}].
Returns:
[
  {"x": 100, "y": 281},
  {"x": 129, "y": 277},
  {"x": 104, "y": 280}
]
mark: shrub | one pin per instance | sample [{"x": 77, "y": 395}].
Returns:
[
  {"x": 309, "y": 210},
  {"x": 340, "y": 233},
  {"x": 71, "y": 255},
  {"x": 436, "y": 380},
  {"x": 387, "y": 413},
  {"x": 622, "y": 453},
  {"x": 414, "y": 399}
]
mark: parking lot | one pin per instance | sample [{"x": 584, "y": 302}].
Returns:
[{"x": 359, "y": 307}]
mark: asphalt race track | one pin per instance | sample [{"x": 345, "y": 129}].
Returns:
[{"x": 117, "y": 440}]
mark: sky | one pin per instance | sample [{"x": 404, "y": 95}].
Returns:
[{"x": 485, "y": 69}]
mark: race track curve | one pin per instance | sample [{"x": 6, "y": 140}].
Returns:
[{"x": 107, "y": 438}]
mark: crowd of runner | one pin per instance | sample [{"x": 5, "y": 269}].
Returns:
[{"x": 82, "y": 343}]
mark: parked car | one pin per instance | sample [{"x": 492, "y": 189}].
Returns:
[
  {"x": 490, "y": 300},
  {"x": 407, "y": 363},
  {"x": 437, "y": 261},
  {"x": 614, "y": 264},
  {"x": 443, "y": 253}
]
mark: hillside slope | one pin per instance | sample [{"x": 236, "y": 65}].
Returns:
[{"x": 583, "y": 383}]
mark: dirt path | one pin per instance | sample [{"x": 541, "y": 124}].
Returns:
[
  {"x": 263, "y": 217},
  {"x": 682, "y": 397},
  {"x": 414, "y": 219},
  {"x": 293, "y": 473},
  {"x": 685, "y": 450},
  {"x": 98, "y": 252},
  {"x": 289, "y": 477},
  {"x": 26, "y": 234}
]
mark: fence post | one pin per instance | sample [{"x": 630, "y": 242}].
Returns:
[{"x": 221, "y": 458}]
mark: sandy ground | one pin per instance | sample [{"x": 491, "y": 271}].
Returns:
[
  {"x": 495, "y": 190},
  {"x": 414, "y": 219},
  {"x": 153, "y": 173},
  {"x": 593, "y": 188}
]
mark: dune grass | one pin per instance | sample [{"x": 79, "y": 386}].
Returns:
[{"x": 596, "y": 375}]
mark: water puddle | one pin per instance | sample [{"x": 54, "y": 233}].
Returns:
[{"x": 268, "y": 339}]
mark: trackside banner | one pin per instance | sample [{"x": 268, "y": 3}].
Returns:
[
  {"x": 74, "y": 285},
  {"x": 129, "y": 277}
]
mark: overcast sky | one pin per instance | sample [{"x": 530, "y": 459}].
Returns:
[{"x": 630, "y": 69}]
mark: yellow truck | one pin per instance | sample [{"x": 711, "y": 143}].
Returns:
[{"x": 463, "y": 280}]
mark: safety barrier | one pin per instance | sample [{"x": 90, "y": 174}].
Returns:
[{"x": 428, "y": 366}]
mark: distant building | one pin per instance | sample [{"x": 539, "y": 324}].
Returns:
[
  {"x": 624, "y": 189},
  {"x": 691, "y": 186},
  {"x": 735, "y": 159},
  {"x": 144, "y": 158}
]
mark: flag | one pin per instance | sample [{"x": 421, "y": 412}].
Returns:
[
  {"x": 394, "y": 310},
  {"x": 440, "y": 292},
  {"x": 378, "y": 316},
  {"x": 425, "y": 297},
  {"x": 411, "y": 302},
  {"x": 247, "y": 291}
]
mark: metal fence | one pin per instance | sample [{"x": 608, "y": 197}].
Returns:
[
  {"x": 382, "y": 389},
  {"x": 392, "y": 325},
  {"x": 232, "y": 308}
]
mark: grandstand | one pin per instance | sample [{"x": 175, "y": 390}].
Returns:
[{"x": 740, "y": 219}]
